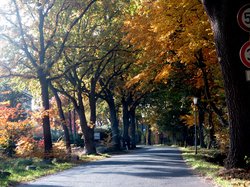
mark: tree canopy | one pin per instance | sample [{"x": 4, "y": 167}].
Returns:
[{"x": 144, "y": 56}]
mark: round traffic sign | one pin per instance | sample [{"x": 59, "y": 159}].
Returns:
[
  {"x": 243, "y": 17},
  {"x": 245, "y": 54}
]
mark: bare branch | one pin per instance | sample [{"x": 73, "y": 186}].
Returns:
[
  {"x": 65, "y": 38},
  {"x": 50, "y": 6},
  {"x": 9, "y": 74},
  {"x": 66, "y": 93},
  {"x": 25, "y": 46},
  {"x": 49, "y": 43}
]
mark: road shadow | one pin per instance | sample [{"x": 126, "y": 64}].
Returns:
[
  {"x": 149, "y": 163},
  {"x": 139, "y": 167}
]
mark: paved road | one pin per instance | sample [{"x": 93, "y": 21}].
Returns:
[{"x": 146, "y": 167}]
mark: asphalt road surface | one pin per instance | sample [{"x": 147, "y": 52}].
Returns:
[{"x": 145, "y": 167}]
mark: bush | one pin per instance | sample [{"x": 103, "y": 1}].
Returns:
[{"x": 28, "y": 147}]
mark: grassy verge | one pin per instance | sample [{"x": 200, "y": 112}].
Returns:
[
  {"x": 210, "y": 170},
  {"x": 18, "y": 168}
]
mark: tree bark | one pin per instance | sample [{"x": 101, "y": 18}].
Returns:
[
  {"x": 92, "y": 102},
  {"x": 114, "y": 124},
  {"x": 125, "y": 118},
  {"x": 211, "y": 130},
  {"x": 88, "y": 133},
  {"x": 201, "y": 128},
  {"x": 70, "y": 125},
  {"x": 149, "y": 132},
  {"x": 108, "y": 96},
  {"x": 46, "y": 122},
  {"x": 62, "y": 118},
  {"x": 132, "y": 127},
  {"x": 74, "y": 126},
  {"x": 229, "y": 38},
  {"x": 87, "y": 130}
]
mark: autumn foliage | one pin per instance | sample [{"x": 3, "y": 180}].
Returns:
[
  {"x": 28, "y": 147},
  {"x": 17, "y": 133},
  {"x": 167, "y": 32},
  {"x": 13, "y": 126}
]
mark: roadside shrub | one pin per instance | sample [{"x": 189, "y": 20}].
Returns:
[
  {"x": 25, "y": 147},
  {"x": 28, "y": 147},
  {"x": 59, "y": 150},
  {"x": 13, "y": 125}
]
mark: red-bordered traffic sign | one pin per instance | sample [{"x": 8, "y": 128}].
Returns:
[
  {"x": 245, "y": 54},
  {"x": 243, "y": 17}
]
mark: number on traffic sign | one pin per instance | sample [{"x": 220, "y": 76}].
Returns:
[
  {"x": 247, "y": 17},
  {"x": 243, "y": 17}
]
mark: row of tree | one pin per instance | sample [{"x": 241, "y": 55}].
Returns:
[
  {"x": 75, "y": 49},
  {"x": 153, "y": 54}
]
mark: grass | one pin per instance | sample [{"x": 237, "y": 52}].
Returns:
[
  {"x": 210, "y": 170},
  {"x": 19, "y": 173}
]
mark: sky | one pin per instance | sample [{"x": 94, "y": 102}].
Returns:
[{"x": 3, "y": 3}]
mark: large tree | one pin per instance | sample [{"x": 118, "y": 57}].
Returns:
[
  {"x": 229, "y": 38},
  {"x": 38, "y": 32},
  {"x": 93, "y": 58}
]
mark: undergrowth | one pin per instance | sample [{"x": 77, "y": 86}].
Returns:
[{"x": 206, "y": 164}]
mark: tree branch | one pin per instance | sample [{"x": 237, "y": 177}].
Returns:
[
  {"x": 65, "y": 38},
  {"x": 25, "y": 46}
]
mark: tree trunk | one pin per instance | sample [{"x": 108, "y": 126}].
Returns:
[
  {"x": 211, "y": 130},
  {"x": 149, "y": 132},
  {"x": 87, "y": 130},
  {"x": 114, "y": 124},
  {"x": 74, "y": 126},
  {"x": 92, "y": 103},
  {"x": 229, "y": 38},
  {"x": 46, "y": 121},
  {"x": 201, "y": 128},
  {"x": 70, "y": 126},
  {"x": 125, "y": 118},
  {"x": 132, "y": 128},
  {"x": 90, "y": 143},
  {"x": 88, "y": 134},
  {"x": 216, "y": 110},
  {"x": 62, "y": 118}
]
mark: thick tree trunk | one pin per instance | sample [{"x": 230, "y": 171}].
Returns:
[
  {"x": 229, "y": 38},
  {"x": 62, "y": 118},
  {"x": 88, "y": 134},
  {"x": 46, "y": 122},
  {"x": 125, "y": 118},
  {"x": 114, "y": 124},
  {"x": 87, "y": 130},
  {"x": 70, "y": 125},
  {"x": 92, "y": 103},
  {"x": 132, "y": 128},
  {"x": 74, "y": 126}
]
